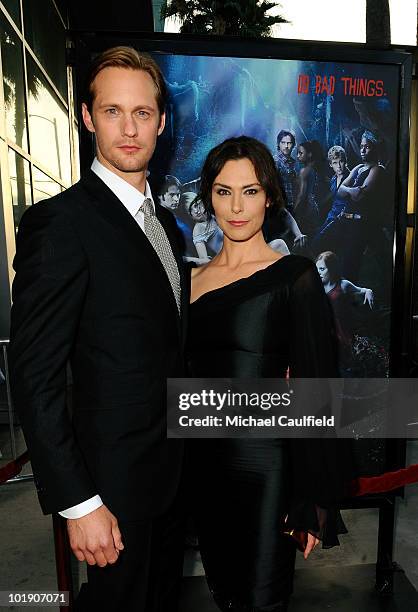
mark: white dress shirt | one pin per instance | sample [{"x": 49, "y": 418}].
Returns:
[{"x": 132, "y": 199}]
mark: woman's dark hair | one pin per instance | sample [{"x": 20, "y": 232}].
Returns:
[
  {"x": 317, "y": 155},
  {"x": 242, "y": 147}
]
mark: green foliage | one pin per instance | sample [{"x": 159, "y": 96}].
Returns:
[{"x": 247, "y": 18}]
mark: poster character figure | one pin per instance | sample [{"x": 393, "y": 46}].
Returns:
[
  {"x": 183, "y": 107},
  {"x": 283, "y": 226},
  {"x": 327, "y": 235},
  {"x": 207, "y": 235},
  {"x": 364, "y": 214},
  {"x": 374, "y": 115},
  {"x": 286, "y": 166},
  {"x": 279, "y": 246},
  {"x": 182, "y": 90},
  {"x": 169, "y": 192},
  {"x": 237, "y": 103},
  {"x": 310, "y": 190},
  {"x": 359, "y": 355}
]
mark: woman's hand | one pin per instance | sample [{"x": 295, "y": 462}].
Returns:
[
  {"x": 368, "y": 297},
  {"x": 312, "y": 542}
]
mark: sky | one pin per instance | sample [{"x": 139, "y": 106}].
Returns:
[
  {"x": 344, "y": 21},
  {"x": 339, "y": 20}
]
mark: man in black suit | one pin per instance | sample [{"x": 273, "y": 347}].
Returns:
[{"x": 99, "y": 282}]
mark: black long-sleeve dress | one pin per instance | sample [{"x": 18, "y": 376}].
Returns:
[{"x": 259, "y": 326}]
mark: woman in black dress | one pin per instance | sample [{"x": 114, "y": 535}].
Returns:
[{"x": 255, "y": 313}]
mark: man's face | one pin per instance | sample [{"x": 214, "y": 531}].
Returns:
[
  {"x": 125, "y": 119},
  {"x": 171, "y": 198},
  {"x": 366, "y": 150},
  {"x": 286, "y": 145},
  {"x": 338, "y": 165}
]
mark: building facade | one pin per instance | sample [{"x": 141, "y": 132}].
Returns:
[{"x": 38, "y": 127}]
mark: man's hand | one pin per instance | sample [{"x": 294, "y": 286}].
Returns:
[
  {"x": 312, "y": 542},
  {"x": 95, "y": 538},
  {"x": 300, "y": 241},
  {"x": 357, "y": 192}
]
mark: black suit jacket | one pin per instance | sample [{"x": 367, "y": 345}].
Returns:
[{"x": 90, "y": 288}]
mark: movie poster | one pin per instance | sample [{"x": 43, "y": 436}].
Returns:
[{"x": 332, "y": 129}]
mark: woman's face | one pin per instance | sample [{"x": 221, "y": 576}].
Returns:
[
  {"x": 367, "y": 150},
  {"x": 323, "y": 271},
  {"x": 197, "y": 211},
  {"x": 302, "y": 155},
  {"x": 238, "y": 200}
]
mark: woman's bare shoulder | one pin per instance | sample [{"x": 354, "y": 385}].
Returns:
[{"x": 197, "y": 270}]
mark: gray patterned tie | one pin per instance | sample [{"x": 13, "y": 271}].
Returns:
[{"x": 155, "y": 233}]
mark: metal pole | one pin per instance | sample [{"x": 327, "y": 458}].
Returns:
[
  {"x": 57, "y": 147},
  {"x": 385, "y": 567}
]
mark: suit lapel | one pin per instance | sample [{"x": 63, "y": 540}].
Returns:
[{"x": 112, "y": 209}]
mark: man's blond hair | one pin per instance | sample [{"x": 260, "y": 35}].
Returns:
[
  {"x": 131, "y": 59},
  {"x": 336, "y": 152}
]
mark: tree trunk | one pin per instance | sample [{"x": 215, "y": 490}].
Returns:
[
  {"x": 219, "y": 25},
  {"x": 378, "y": 23}
]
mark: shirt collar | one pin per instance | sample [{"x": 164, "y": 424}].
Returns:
[
  {"x": 285, "y": 159},
  {"x": 130, "y": 197}
]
